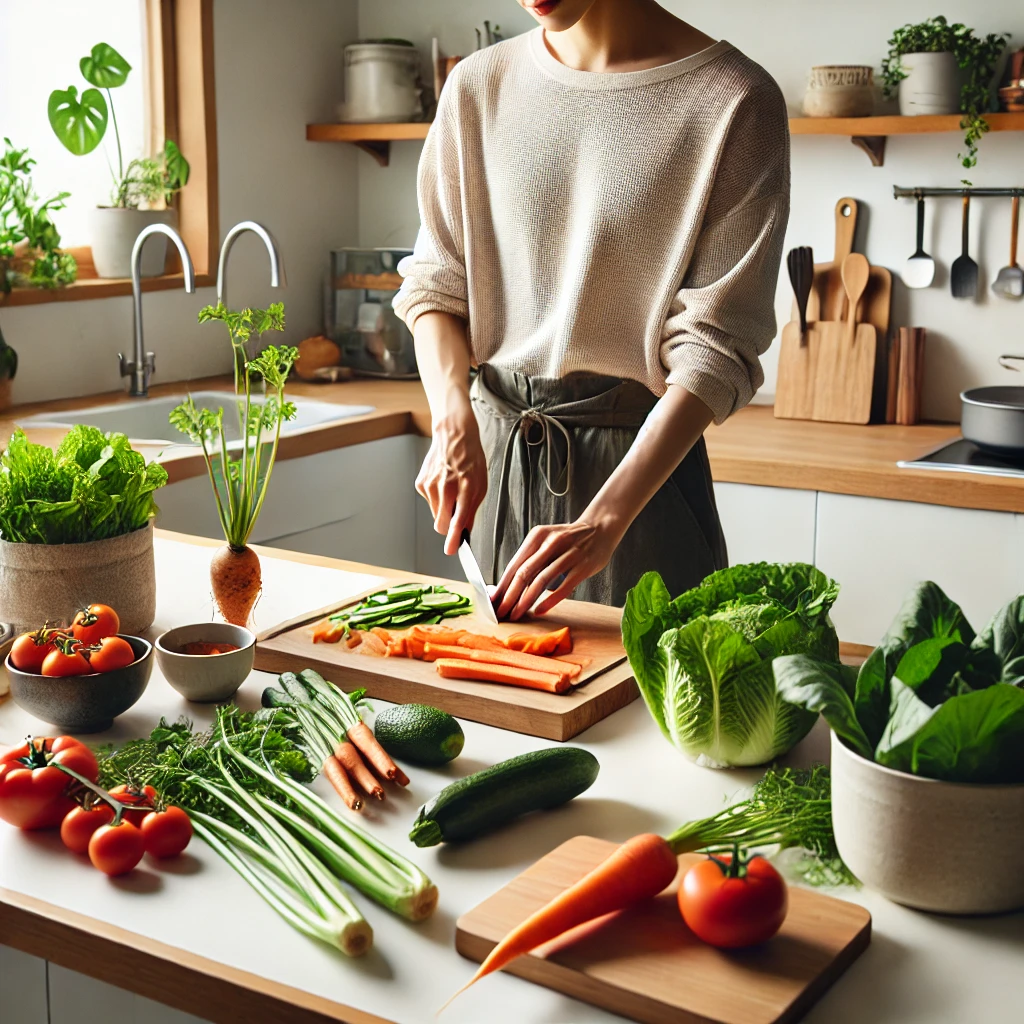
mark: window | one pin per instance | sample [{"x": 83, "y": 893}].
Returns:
[{"x": 169, "y": 93}]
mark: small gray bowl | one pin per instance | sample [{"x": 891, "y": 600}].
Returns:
[
  {"x": 79, "y": 704},
  {"x": 206, "y": 678}
]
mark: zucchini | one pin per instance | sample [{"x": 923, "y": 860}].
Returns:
[
  {"x": 497, "y": 795},
  {"x": 439, "y": 601}
]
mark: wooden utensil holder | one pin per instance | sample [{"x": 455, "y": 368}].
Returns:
[{"x": 906, "y": 362}]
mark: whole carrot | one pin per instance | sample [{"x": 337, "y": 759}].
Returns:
[
  {"x": 342, "y": 784},
  {"x": 638, "y": 870},
  {"x": 350, "y": 760},
  {"x": 367, "y": 744}
]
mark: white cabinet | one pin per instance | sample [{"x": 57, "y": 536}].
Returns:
[
  {"x": 22, "y": 988},
  {"x": 430, "y": 556},
  {"x": 766, "y": 524},
  {"x": 878, "y": 549},
  {"x": 78, "y": 999}
]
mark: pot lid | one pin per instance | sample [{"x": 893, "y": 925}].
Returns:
[{"x": 996, "y": 397}]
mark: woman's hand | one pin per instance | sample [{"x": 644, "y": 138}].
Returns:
[
  {"x": 572, "y": 551},
  {"x": 453, "y": 477}
]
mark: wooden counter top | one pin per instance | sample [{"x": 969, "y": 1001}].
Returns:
[{"x": 751, "y": 448}]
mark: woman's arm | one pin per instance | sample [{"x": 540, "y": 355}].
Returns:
[
  {"x": 453, "y": 478},
  {"x": 579, "y": 550}
]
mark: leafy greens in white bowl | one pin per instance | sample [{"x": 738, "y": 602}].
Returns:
[{"x": 703, "y": 661}]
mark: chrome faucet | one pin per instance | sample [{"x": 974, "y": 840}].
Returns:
[
  {"x": 143, "y": 365},
  {"x": 276, "y": 263}
]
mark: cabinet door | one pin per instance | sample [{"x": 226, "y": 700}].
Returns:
[
  {"x": 22, "y": 987},
  {"x": 878, "y": 549},
  {"x": 766, "y": 524}
]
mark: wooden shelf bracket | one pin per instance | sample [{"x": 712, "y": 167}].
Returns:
[
  {"x": 377, "y": 148},
  {"x": 873, "y": 145}
]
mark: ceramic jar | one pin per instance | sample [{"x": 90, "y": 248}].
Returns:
[
  {"x": 382, "y": 83},
  {"x": 840, "y": 90},
  {"x": 113, "y": 236},
  {"x": 932, "y": 85},
  {"x": 940, "y": 846}
]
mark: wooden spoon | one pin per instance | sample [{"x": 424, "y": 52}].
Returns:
[{"x": 856, "y": 271}]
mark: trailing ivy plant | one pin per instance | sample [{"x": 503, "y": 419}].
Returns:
[
  {"x": 30, "y": 252},
  {"x": 80, "y": 123},
  {"x": 976, "y": 55}
]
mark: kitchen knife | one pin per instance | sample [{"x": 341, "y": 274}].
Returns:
[{"x": 471, "y": 568}]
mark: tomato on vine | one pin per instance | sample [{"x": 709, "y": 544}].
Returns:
[
  {"x": 66, "y": 659},
  {"x": 29, "y": 651},
  {"x": 110, "y": 654},
  {"x": 94, "y": 623}
]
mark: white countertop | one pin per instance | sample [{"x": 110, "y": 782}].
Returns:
[{"x": 919, "y": 969}]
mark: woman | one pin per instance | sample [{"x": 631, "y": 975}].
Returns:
[{"x": 603, "y": 202}]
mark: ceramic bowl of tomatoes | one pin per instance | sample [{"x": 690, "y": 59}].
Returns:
[{"x": 79, "y": 692}]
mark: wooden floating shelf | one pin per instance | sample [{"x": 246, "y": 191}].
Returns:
[{"x": 867, "y": 133}]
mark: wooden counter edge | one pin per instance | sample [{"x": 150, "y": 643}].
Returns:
[{"x": 167, "y": 974}]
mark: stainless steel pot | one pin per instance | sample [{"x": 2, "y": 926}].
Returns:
[{"x": 993, "y": 417}]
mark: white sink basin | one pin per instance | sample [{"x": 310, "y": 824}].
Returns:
[{"x": 144, "y": 420}]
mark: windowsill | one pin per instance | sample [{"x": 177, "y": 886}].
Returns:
[{"x": 97, "y": 288}]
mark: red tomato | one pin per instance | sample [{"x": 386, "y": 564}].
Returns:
[
  {"x": 29, "y": 651},
  {"x": 79, "y": 824},
  {"x": 116, "y": 849},
  {"x": 33, "y": 793},
  {"x": 66, "y": 662},
  {"x": 94, "y": 623},
  {"x": 166, "y": 832},
  {"x": 144, "y": 798},
  {"x": 111, "y": 653},
  {"x": 733, "y": 906}
]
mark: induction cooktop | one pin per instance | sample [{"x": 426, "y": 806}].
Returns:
[{"x": 963, "y": 456}]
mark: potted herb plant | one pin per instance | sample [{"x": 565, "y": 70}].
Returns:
[
  {"x": 76, "y": 527},
  {"x": 940, "y": 68},
  {"x": 141, "y": 191},
  {"x": 240, "y": 473}
]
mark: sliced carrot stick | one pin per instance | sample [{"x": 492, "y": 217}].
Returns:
[
  {"x": 558, "y": 641},
  {"x": 638, "y": 870},
  {"x": 354, "y": 639},
  {"x": 414, "y": 646},
  {"x": 342, "y": 784},
  {"x": 327, "y": 632},
  {"x": 373, "y": 645},
  {"x": 437, "y": 633},
  {"x": 398, "y": 649},
  {"x": 486, "y": 672},
  {"x": 350, "y": 760},
  {"x": 479, "y": 642},
  {"x": 367, "y": 745},
  {"x": 573, "y": 659},
  {"x": 514, "y": 659},
  {"x": 381, "y": 633}
]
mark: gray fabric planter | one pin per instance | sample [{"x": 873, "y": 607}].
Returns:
[{"x": 40, "y": 582}]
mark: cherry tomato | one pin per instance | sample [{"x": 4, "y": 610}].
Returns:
[
  {"x": 111, "y": 653},
  {"x": 66, "y": 662},
  {"x": 33, "y": 793},
  {"x": 116, "y": 849},
  {"x": 731, "y": 903},
  {"x": 94, "y": 623},
  {"x": 144, "y": 798},
  {"x": 29, "y": 651},
  {"x": 166, "y": 832},
  {"x": 80, "y": 823}
]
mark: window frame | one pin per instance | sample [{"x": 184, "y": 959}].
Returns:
[{"x": 182, "y": 106}]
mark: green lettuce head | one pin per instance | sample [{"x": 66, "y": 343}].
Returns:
[{"x": 703, "y": 661}]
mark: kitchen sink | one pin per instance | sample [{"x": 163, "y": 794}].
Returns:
[{"x": 145, "y": 420}]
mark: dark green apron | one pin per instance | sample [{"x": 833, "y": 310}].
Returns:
[{"x": 551, "y": 444}]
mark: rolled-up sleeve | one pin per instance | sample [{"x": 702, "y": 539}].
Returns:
[
  {"x": 722, "y": 318},
  {"x": 435, "y": 274}
]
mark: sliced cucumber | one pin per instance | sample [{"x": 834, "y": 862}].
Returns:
[{"x": 440, "y": 601}]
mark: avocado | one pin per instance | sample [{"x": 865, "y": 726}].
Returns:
[{"x": 419, "y": 734}]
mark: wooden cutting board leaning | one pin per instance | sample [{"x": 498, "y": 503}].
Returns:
[
  {"x": 605, "y": 685},
  {"x": 645, "y": 964},
  {"x": 836, "y": 372}
]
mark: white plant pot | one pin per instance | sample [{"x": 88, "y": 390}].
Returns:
[
  {"x": 382, "y": 84},
  {"x": 932, "y": 85},
  {"x": 940, "y": 846},
  {"x": 113, "y": 235}
]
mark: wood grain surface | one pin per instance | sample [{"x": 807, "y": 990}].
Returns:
[
  {"x": 794, "y": 387},
  {"x": 844, "y": 372},
  {"x": 606, "y": 683},
  {"x": 646, "y": 965}
]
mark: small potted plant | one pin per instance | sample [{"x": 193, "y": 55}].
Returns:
[
  {"x": 240, "y": 473},
  {"x": 141, "y": 191},
  {"x": 939, "y": 68}
]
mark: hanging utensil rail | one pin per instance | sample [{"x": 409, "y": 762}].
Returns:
[{"x": 899, "y": 192}]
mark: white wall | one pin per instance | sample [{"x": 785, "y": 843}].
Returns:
[
  {"x": 787, "y": 38},
  {"x": 277, "y": 66}
]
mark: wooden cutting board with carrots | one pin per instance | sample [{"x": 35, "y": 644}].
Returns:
[
  {"x": 645, "y": 964},
  {"x": 474, "y": 684}
]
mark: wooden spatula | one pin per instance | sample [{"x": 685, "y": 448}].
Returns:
[{"x": 856, "y": 271}]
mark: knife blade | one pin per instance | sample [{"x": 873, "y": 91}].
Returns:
[{"x": 475, "y": 577}]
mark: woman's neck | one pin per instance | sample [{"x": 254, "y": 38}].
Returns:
[{"x": 625, "y": 35}]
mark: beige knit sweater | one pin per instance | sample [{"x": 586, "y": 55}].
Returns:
[{"x": 628, "y": 224}]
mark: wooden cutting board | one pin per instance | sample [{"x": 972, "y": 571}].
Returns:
[
  {"x": 646, "y": 965},
  {"x": 794, "y": 390},
  {"x": 606, "y": 683},
  {"x": 844, "y": 372}
]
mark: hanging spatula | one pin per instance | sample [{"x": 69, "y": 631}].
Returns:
[
  {"x": 963, "y": 275},
  {"x": 919, "y": 270},
  {"x": 1010, "y": 282}
]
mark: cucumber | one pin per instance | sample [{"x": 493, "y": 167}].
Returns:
[
  {"x": 439, "y": 601},
  {"x": 495, "y": 796}
]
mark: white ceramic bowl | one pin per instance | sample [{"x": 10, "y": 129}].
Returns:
[
  {"x": 206, "y": 678},
  {"x": 941, "y": 846}
]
